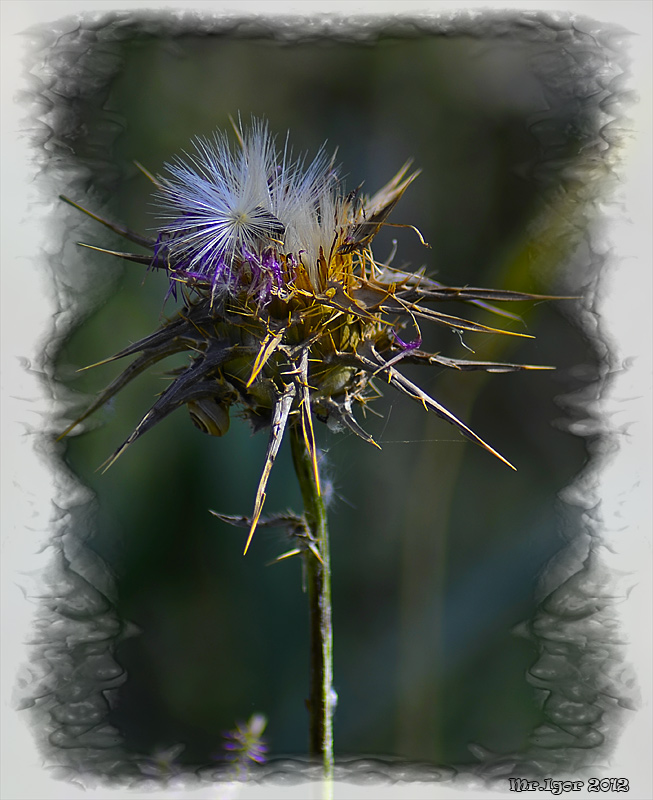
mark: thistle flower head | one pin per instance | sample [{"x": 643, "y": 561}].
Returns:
[{"x": 287, "y": 314}]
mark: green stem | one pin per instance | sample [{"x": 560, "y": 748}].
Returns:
[{"x": 318, "y": 579}]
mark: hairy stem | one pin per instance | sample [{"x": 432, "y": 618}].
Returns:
[{"x": 318, "y": 580}]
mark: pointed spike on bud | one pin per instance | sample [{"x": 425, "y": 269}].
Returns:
[
  {"x": 257, "y": 513},
  {"x": 284, "y": 556}
]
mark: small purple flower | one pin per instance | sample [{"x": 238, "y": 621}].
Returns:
[
  {"x": 245, "y": 746},
  {"x": 407, "y": 345}
]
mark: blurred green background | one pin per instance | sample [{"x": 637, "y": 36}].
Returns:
[{"x": 436, "y": 546}]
